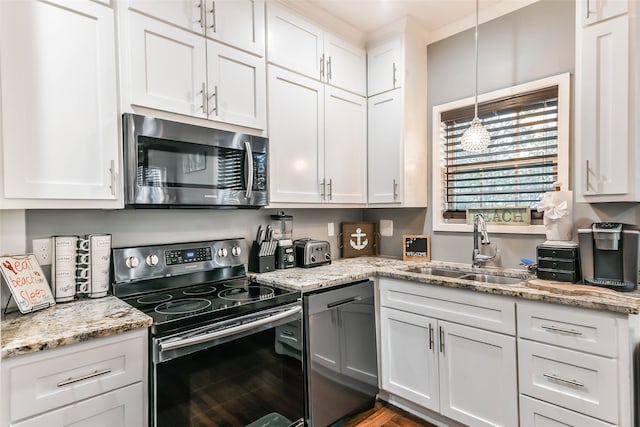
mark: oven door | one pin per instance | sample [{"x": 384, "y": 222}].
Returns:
[
  {"x": 242, "y": 372},
  {"x": 176, "y": 164}
]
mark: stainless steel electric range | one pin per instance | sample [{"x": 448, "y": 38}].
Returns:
[{"x": 223, "y": 351}]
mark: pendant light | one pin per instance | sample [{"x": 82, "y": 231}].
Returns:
[{"x": 475, "y": 138}]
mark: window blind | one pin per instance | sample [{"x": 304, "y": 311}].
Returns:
[{"x": 519, "y": 166}]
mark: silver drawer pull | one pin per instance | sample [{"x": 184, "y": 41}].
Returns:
[
  {"x": 563, "y": 380},
  {"x": 93, "y": 374},
  {"x": 553, "y": 328}
]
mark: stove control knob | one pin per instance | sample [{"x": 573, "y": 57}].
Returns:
[
  {"x": 152, "y": 260},
  {"x": 236, "y": 251},
  {"x": 132, "y": 262},
  {"x": 222, "y": 252}
]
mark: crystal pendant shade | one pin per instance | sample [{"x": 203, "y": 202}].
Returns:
[{"x": 475, "y": 138}]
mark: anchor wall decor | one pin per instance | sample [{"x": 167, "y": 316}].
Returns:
[{"x": 358, "y": 239}]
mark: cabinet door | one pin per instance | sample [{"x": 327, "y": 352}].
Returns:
[
  {"x": 345, "y": 66},
  {"x": 239, "y": 23},
  {"x": 358, "y": 342},
  {"x": 536, "y": 413},
  {"x": 478, "y": 376},
  {"x": 385, "y": 130},
  {"x": 604, "y": 90},
  {"x": 409, "y": 357},
  {"x": 345, "y": 147},
  {"x": 236, "y": 87},
  {"x": 123, "y": 408},
  {"x": 296, "y": 135},
  {"x": 293, "y": 42},
  {"x": 168, "y": 67},
  {"x": 384, "y": 67},
  {"x": 186, "y": 14},
  {"x": 59, "y": 100},
  {"x": 593, "y": 11}
]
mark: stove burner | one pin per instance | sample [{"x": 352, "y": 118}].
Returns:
[
  {"x": 183, "y": 306},
  {"x": 200, "y": 290},
  {"x": 154, "y": 299},
  {"x": 252, "y": 293}
]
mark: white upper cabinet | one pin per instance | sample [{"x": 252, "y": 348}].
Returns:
[
  {"x": 60, "y": 139},
  {"x": 168, "y": 67},
  {"x": 296, "y": 44},
  {"x": 397, "y": 144},
  {"x": 296, "y": 137},
  {"x": 178, "y": 71},
  {"x": 384, "y": 67},
  {"x": 239, "y": 23},
  {"x": 593, "y": 11},
  {"x": 607, "y": 148},
  {"x": 236, "y": 86}
]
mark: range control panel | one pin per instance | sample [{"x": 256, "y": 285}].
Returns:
[{"x": 149, "y": 262}]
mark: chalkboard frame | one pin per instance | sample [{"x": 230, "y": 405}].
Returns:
[{"x": 423, "y": 239}]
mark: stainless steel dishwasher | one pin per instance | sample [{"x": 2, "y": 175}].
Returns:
[{"x": 341, "y": 364}]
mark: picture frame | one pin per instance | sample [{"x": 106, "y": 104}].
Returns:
[{"x": 416, "y": 247}]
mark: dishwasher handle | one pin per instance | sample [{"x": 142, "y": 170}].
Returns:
[{"x": 343, "y": 302}]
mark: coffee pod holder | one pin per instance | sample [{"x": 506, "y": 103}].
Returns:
[
  {"x": 92, "y": 265},
  {"x": 64, "y": 267}
]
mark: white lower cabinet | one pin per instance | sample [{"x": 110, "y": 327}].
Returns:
[
  {"x": 97, "y": 383},
  {"x": 430, "y": 357},
  {"x": 536, "y": 413}
]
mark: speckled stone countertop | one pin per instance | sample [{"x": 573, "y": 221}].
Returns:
[
  {"x": 68, "y": 323},
  {"x": 343, "y": 271}
]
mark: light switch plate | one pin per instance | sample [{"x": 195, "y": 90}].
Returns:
[
  {"x": 330, "y": 229},
  {"x": 386, "y": 227}
]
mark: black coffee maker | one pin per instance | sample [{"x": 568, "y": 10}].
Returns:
[{"x": 609, "y": 255}]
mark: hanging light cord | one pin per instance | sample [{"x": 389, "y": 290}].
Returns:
[{"x": 476, "y": 93}]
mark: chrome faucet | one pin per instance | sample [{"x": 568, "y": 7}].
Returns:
[{"x": 480, "y": 237}]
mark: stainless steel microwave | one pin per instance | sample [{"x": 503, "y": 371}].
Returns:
[{"x": 171, "y": 164}]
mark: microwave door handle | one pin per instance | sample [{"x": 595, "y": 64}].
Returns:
[{"x": 249, "y": 163}]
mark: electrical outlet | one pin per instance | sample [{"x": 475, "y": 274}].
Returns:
[
  {"x": 330, "y": 229},
  {"x": 42, "y": 250}
]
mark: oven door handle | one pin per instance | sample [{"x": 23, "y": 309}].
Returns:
[{"x": 180, "y": 343}]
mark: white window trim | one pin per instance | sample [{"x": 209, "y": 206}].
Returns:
[{"x": 563, "y": 81}]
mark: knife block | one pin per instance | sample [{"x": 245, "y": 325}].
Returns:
[{"x": 258, "y": 263}]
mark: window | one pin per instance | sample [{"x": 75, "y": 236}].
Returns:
[{"x": 527, "y": 154}]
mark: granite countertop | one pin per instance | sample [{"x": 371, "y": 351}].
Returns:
[
  {"x": 343, "y": 271},
  {"x": 68, "y": 323}
]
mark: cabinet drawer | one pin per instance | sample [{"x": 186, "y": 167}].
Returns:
[
  {"x": 576, "y": 328},
  {"x": 535, "y": 413},
  {"x": 557, "y": 264},
  {"x": 577, "y": 381},
  {"x": 562, "y": 253},
  {"x": 558, "y": 275},
  {"x": 47, "y": 380},
  {"x": 492, "y": 312}
]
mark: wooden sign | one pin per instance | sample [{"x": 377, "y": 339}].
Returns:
[
  {"x": 27, "y": 284},
  {"x": 416, "y": 247},
  {"x": 358, "y": 239},
  {"x": 503, "y": 215}
]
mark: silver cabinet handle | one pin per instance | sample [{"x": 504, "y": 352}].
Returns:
[
  {"x": 430, "y": 337},
  {"x": 322, "y": 189},
  {"x": 201, "y": 20},
  {"x": 441, "y": 339},
  {"x": 93, "y": 374},
  {"x": 588, "y": 12},
  {"x": 114, "y": 175},
  {"x": 395, "y": 190},
  {"x": 322, "y": 67},
  {"x": 330, "y": 185},
  {"x": 214, "y": 96},
  {"x": 554, "y": 377},
  {"x": 247, "y": 146},
  {"x": 204, "y": 98},
  {"x": 395, "y": 79},
  {"x": 587, "y": 188},
  {"x": 329, "y": 69},
  {"x": 213, "y": 16},
  {"x": 553, "y": 328}
]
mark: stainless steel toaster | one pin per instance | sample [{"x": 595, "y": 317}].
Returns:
[{"x": 310, "y": 252}]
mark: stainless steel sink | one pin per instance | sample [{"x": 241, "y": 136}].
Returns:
[
  {"x": 434, "y": 271},
  {"x": 466, "y": 275},
  {"x": 491, "y": 278}
]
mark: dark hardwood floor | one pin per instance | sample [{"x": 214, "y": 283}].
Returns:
[{"x": 386, "y": 415}]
